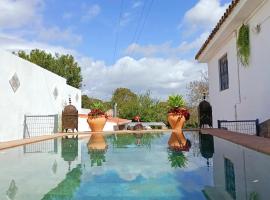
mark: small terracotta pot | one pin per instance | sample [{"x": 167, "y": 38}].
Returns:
[
  {"x": 96, "y": 124},
  {"x": 97, "y": 142}
]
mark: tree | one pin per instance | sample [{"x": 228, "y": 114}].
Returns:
[
  {"x": 196, "y": 90},
  {"x": 127, "y": 102},
  {"x": 130, "y": 104},
  {"x": 87, "y": 102},
  {"x": 62, "y": 65}
]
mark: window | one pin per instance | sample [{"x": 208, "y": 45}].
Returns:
[
  {"x": 223, "y": 73},
  {"x": 229, "y": 178}
]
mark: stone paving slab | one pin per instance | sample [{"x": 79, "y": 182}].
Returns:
[{"x": 256, "y": 143}]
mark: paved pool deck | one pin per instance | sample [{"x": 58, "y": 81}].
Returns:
[{"x": 256, "y": 143}]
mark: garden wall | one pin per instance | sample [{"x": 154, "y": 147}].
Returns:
[{"x": 27, "y": 89}]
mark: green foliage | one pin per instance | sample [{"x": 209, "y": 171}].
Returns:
[
  {"x": 62, "y": 65},
  {"x": 97, "y": 157},
  {"x": 243, "y": 45},
  {"x": 254, "y": 196},
  {"x": 98, "y": 105},
  {"x": 130, "y": 104},
  {"x": 88, "y": 102},
  {"x": 176, "y": 101},
  {"x": 177, "y": 159},
  {"x": 195, "y": 91},
  {"x": 66, "y": 188}
]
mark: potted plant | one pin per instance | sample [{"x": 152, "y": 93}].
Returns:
[
  {"x": 177, "y": 116},
  {"x": 97, "y": 117}
]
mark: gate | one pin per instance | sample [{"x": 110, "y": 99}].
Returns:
[
  {"x": 38, "y": 125},
  {"x": 250, "y": 127}
]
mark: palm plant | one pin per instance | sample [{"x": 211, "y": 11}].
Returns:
[{"x": 177, "y": 158}]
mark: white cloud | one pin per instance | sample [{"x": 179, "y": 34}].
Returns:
[
  {"x": 14, "y": 14},
  {"x": 67, "y": 15},
  {"x": 161, "y": 76},
  {"x": 204, "y": 15},
  {"x": 13, "y": 43},
  {"x": 137, "y": 4},
  {"x": 166, "y": 48},
  {"x": 90, "y": 12},
  {"x": 125, "y": 18},
  {"x": 56, "y": 34}
]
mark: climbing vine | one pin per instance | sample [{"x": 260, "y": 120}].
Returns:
[{"x": 243, "y": 45}]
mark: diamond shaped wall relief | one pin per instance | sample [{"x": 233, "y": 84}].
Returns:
[
  {"x": 55, "y": 92},
  {"x": 14, "y": 82}
]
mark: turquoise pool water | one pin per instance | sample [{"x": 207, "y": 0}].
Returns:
[{"x": 134, "y": 168}]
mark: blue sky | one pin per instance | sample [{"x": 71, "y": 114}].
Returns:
[{"x": 139, "y": 44}]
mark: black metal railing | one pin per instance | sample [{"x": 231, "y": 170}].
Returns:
[
  {"x": 250, "y": 127},
  {"x": 37, "y": 125}
]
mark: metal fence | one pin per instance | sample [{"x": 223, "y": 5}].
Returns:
[
  {"x": 48, "y": 146},
  {"x": 250, "y": 127},
  {"x": 37, "y": 125}
]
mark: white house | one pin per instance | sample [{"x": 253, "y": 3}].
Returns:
[
  {"x": 238, "y": 92},
  {"x": 27, "y": 89}
]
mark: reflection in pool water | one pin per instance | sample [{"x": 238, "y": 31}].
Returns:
[{"x": 134, "y": 167}]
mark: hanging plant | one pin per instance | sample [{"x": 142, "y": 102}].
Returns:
[{"x": 243, "y": 45}]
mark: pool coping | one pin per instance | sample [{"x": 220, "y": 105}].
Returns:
[
  {"x": 253, "y": 142},
  {"x": 256, "y": 143}
]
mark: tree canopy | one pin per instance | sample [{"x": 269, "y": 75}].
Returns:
[{"x": 62, "y": 65}]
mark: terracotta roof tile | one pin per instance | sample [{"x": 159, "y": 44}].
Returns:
[{"x": 217, "y": 27}]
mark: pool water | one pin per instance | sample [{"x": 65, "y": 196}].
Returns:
[{"x": 134, "y": 168}]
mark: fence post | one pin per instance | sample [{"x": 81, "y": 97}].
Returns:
[
  {"x": 219, "y": 123},
  {"x": 257, "y": 127},
  {"x": 24, "y": 127},
  {"x": 55, "y": 130}
]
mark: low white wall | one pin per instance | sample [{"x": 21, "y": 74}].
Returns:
[
  {"x": 35, "y": 95},
  {"x": 83, "y": 125}
]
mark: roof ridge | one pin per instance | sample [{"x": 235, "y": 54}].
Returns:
[{"x": 217, "y": 27}]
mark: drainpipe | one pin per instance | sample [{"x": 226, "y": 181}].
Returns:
[{"x": 238, "y": 80}]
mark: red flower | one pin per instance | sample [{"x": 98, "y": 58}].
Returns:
[
  {"x": 137, "y": 118},
  {"x": 180, "y": 111},
  {"x": 97, "y": 113}
]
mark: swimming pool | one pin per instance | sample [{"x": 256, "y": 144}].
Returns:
[{"x": 133, "y": 168}]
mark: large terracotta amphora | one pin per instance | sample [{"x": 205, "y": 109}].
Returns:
[
  {"x": 97, "y": 142},
  {"x": 177, "y": 139},
  {"x": 96, "y": 124}
]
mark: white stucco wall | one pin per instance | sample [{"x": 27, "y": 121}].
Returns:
[
  {"x": 250, "y": 169},
  {"x": 33, "y": 97},
  {"x": 254, "y": 101}
]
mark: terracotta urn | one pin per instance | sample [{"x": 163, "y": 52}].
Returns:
[
  {"x": 177, "y": 121},
  {"x": 96, "y": 124},
  {"x": 177, "y": 140},
  {"x": 97, "y": 142}
]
